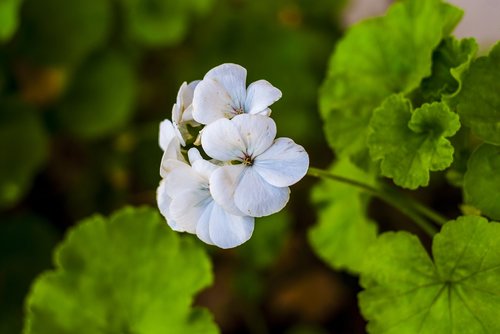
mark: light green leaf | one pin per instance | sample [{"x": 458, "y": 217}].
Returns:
[
  {"x": 160, "y": 22},
  {"x": 101, "y": 99},
  {"x": 482, "y": 180},
  {"x": 377, "y": 58},
  {"x": 8, "y": 18},
  {"x": 127, "y": 274},
  {"x": 406, "y": 292},
  {"x": 449, "y": 61},
  {"x": 412, "y": 143},
  {"x": 23, "y": 149},
  {"x": 478, "y": 102},
  {"x": 343, "y": 232},
  {"x": 61, "y": 32}
]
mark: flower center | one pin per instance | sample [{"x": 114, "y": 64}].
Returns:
[
  {"x": 247, "y": 160},
  {"x": 238, "y": 110}
]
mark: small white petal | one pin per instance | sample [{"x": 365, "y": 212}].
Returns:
[
  {"x": 221, "y": 140},
  {"x": 211, "y": 101},
  {"x": 167, "y": 134},
  {"x": 283, "y": 164},
  {"x": 260, "y": 95},
  {"x": 185, "y": 96},
  {"x": 223, "y": 184},
  {"x": 168, "y": 164},
  {"x": 258, "y": 132},
  {"x": 163, "y": 201},
  {"x": 233, "y": 78},
  {"x": 257, "y": 198},
  {"x": 187, "y": 207},
  {"x": 201, "y": 166},
  {"x": 228, "y": 231}
]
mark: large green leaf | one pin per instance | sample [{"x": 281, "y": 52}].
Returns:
[
  {"x": 23, "y": 149},
  {"x": 377, "y": 58},
  {"x": 458, "y": 292},
  {"x": 61, "y": 32},
  {"x": 482, "y": 180},
  {"x": 343, "y": 232},
  {"x": 478, "y": 102},
  {"x": 127, "y": 274},
  {"x": 8, "y": 18},
  {"x": 410, "y": 143},
  {"x": 101, "y": 99}
]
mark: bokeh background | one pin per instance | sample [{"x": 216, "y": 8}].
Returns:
[{"x": 83, "y": 87}]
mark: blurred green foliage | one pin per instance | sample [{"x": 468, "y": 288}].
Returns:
[{"x": 85, "y": 83}]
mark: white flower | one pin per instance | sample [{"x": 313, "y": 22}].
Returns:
[
  {"x": 184, "y": 199},
  {"x": 258, "y": 185},
  {"x": 223, "y": 94},
  {"x": 182, "y": 111}
]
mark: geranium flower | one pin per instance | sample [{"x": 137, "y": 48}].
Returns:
[
  {"x": 260, "y": 168},
  {"x": 182, "y": 111},
  {"x": 223, "y": 94},
  {"x": 184, "y": 199}
]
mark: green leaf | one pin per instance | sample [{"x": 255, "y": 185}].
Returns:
[
  {"x": 343, "y": 232},
  {"x": 377, "y": 58},
  {"x": 478, "y": 103},
  {"x": 410, "y": 143},
  {"x": 449, "y": 61},
  {"x": 159, "y": 22},
  {"x": 23, "y": 149},
  {"x": 127, "y": 274},
  {"x": 8, "y": 18},
  {"x": 482, "y": 180},
  {"x": 458, "y": 292},
  {"x": 61, "y": 32},
  {"x": 101, "y": 99}
]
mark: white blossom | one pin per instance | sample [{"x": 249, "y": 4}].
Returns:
[
  {"x": 223, "y": 94},
  {"x": 184, "y": 199},
  {"x": 257, "y": 185}
]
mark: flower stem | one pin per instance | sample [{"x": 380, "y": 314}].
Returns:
[{"x": 405, "y": 205}]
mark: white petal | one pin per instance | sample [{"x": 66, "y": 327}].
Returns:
[
  {"x": 183, "y": 178},
  {"x": 257, "y": 131},
  {"x": 255, "y": 197},
  {"x": 260, "y": 95},
  {"x": 228, "y": 231},
  {"x": 233, "y": 78},
  {"x": 168, "y": 164},
  {"x": 167, "y": 134},
  {"x": 202, "y": 228},
  {"x": 222, "y": 141},
  {"x": 187, "y": 207},
  {"x": 201, "y": 166},
  {"x": 223, "y": 184},
  {"x": 212, "y": 101},
  {"x": 185, "y": 97},
  {"x": 283, "y": 164},
  {"x": 163, "y": 201}
]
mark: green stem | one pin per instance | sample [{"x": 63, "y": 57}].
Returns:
[
  {"x": 429, "y": 213},
  {"x": 404, "y": 205}
]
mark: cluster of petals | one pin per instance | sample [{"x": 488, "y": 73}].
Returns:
[{"x": 248, "y": 171}]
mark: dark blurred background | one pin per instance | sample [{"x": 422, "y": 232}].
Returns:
[{"x": 83, "y": 87}]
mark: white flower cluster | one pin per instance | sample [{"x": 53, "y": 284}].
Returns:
[{"x": 247, "y": 173}]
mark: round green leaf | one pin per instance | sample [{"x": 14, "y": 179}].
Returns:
[
  {"x": 478, "y": 102},
  {"x": 101, "y": 98},
  {"x": 23, "y": 149},
  {"x": 127, "y": 274},
  {"x": 482, "y": 180},
  {"x": 458, "y": 292}
]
